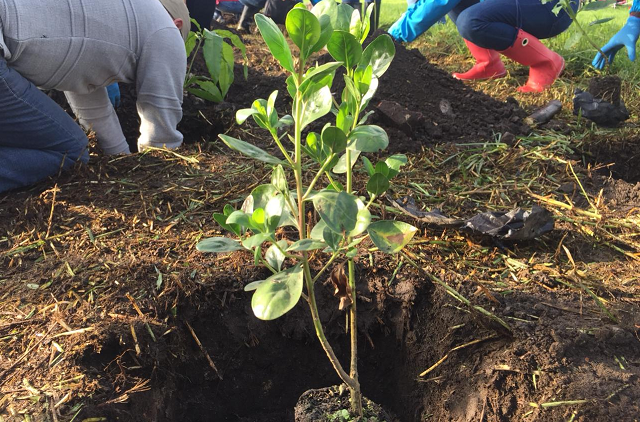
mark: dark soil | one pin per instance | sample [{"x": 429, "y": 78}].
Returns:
[
  {"x": 330, "y": 403},
  {"x": 108, "y": 312}
]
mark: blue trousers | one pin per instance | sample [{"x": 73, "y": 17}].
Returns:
[
  {"x": 37, "y": 137},
  {"x": 494, "y": 24}
]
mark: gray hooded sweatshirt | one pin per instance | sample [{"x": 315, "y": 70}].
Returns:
[{"x": 82, "y": 46}]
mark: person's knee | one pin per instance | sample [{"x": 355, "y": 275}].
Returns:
[{"x": 471, "y": 27}]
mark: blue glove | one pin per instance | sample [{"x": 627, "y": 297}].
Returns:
[
  {"x": 114, "y": 94},
  {"x": 627, "y": 37},
  {"x": 419, "y": 17}
]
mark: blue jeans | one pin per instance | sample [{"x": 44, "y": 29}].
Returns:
[
  {"x": 494, "y": 24},
  {"x": 37, "y": 137}
]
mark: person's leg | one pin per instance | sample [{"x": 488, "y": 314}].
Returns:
[
  {"x": 488, "y": 64},
  {"x": 37, "y": 137},
  {"x": 514, "y": 29},
  {"x": 494, "y": 24},
  {"x": 202, "y": 11}
]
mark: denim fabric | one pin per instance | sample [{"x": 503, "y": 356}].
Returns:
[
  {"x": 494, "y": 24},
  {"x": 37, "y": 137},
  {"x": 234, "y": 7}
]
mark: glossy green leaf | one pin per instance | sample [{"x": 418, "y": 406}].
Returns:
[
  {"x": 274, "y": 255},
  {"x": 343, "y": 119},
  {"x": 243, "y": 114},
  {"x": 253, "y": 285},
  {"x": 212, "y": 52},
  {"x": 315, "y": 74},
  {"x": 343, "y": 18},
  {"x": 258, "y": 219},
  {"x": 304, "y": 30},
  {"x": 278, "y": 294},
  {"x": 243, "y": 219},
  {"x": 218, "y": 245},
  {"x": 279, "y": 180},
  {"x": 368, "y": 138},
  {"x": 316, "y": 102},
  {"x": 368, "y": 166},
  {"x": 379, "y": 54},
  {"x": 382, "y": 167},
  {"x": 338, "y": 209},
  {"x": 331, "y": 238},
  {"x": 394, "y": 163},
  {"x": 261, "y": 195},
  {"x": 318, "y": 229},
  {"x": 306, "y": 245},
  {"x": 391, "y": 236},
  {"x": 363, "y": 219},
  {"x": 190, "y": 44},
  {"x": 341, "y": 167},
  {"x": 256, "y": 240},
  {"x": 227, "y": 63},
  {"x": 378, "y": 184},
  {"x": 601, "y": 21},
  {"x": 221, "y": 219},
  {"x": 249, "y": 150},
  {"x": 207, "y": 90},
  {"x": 334, "y": 138},
  {"x": 344, "y": 47},
  {"x": 596, "y": 5},
  {"x": 326, "y": 29},
  {"x": 275, "y": 41},
  {"x": 274, "y": 212}
]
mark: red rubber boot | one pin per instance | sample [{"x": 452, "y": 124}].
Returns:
[
  {"x": 545, "y": 65},
  {"x": 488, "y": 65}
]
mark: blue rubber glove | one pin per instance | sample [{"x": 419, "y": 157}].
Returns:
[
  {"x": 627, "y": 37},
  {"x": 419, "y": 17},
  {"x": 114, "y": 94}
]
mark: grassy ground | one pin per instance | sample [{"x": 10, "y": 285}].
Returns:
[{"x": 443, "y": 45}]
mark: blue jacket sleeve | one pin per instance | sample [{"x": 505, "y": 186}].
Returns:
[
  {"x": 635, "y": 7},
  {"x": 419, "y": 17}
]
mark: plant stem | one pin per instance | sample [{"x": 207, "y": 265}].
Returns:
[
  {"x": 356, "y": 394},
  {"x": 574, "y": 17}
]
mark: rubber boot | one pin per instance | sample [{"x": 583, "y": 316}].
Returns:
[
  {"x": 245, "y": 18},
  {"x": 488, "y": 64},
  {"x": 545, "y": 65}
]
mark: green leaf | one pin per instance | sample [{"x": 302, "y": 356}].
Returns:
[
  {"x": 394, "y": 163},
  {"x": 368, "y": 166},
  {"x": 253, "y": 285},
  {"x": 379, "y": 54},
  {"x": 381, "y": 167},
  {"x": 212, "y": 52},
  {"x": 271, "y": 112},
  {"x": 318, "y": 229},
  {"x": 262, "y": 194},
  {"x": 363, "y": 219},
  {"x": 334, "y": 138},
  {"x": 600, "y": 21},
  {"x": 190, "y": 44},
  {"x": 378, "y": 184},
  {"x": 344, "y": 47},
  {"x": 274, "y": 255},
  {"x": 250, "y": 150},
  {"x": 225, "y": 78},
  {"x": 221, "y": 219},
  {"x": 207, "y": 91},
  {"x": 258, "y": 219},
  {"x": 573, "y": 40},
  {"x": 338, "y": 209},
  {"x": 316, "y": 102},
  {"x": 275, "y": 40},
  {"x": 218, "y": 244},
  {"x": 241, "y": 218},
  {"x": 368, "y": 138},
  {"x": 306, "y": 245},
  {"x": 391, "y": 236},
  {"x": 274, "y": 213},
  {"x": 326, "y": 29},
  {"x": 341, "y": 167},
  {"x": 317, "y": 73},
  {"x": 331, "y": 238},
  {"x": 278, "y": 294},
  {"x": 596, "y": 5},
  {"x": 279, "y": 180},
  {"x": 343, "y": 18},
  {"x": 343, "y": 119},
  {"x": 304, "y": 30},
  {"x": 256, "y": 240}
]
